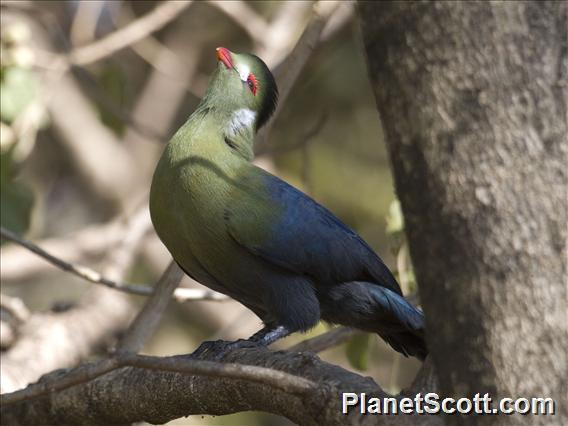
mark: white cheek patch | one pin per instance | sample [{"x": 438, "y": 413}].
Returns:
[
  {"x": 241, "y": 118},
  {"x": 244, "y": 72}
]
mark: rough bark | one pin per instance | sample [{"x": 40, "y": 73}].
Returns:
[
  {"x": 472, "y": 96},
  {"x": 131, "y": 395}
]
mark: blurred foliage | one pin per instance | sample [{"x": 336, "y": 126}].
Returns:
[
  {"x": 113, "y": 80},
  {"x": 19, "y": 87},
  {"x": 16, "y": 198},
  {"x": 357, "y": 351}
]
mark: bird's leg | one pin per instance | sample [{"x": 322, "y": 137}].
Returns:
[
  {"x": 264, "y": 337},
  {"x": 269, "y": 335}
]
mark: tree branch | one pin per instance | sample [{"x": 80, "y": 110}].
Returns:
[
  {"x": 90, "y": 243},
  {"x": 83, "y": 272},
  {"x": 182, "y": 295},
  {"x": 298, "y": 386},
  {"x": 146, "y": 322},
  {"x": 132, "y": 33},
  {"x": 57, "y": 381},
  {"x": 329, "y": 339},
  {"x": 67, "y": 337},
  {"x": 297, "y": 59},
  {"x": 250, "y": 21},
  {"x": 88, "y": 274}
]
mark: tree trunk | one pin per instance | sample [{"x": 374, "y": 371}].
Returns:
[{"x": 472, "y": 97}]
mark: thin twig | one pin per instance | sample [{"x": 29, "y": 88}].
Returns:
[
  {"x": 181, "y": 294},
  {"x": 250, "y": 21},
  {"x": 147, "y": 320},
  {"x": 180, "y": 364},
  {"x": 120, "y": 39},
  {"x": 78, "y": 270},
  {"x": 135, "y": 31},
  {"x": 326, "y": 340}
]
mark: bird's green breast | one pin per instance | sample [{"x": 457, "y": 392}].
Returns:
[{"x": 197, "y": 180}]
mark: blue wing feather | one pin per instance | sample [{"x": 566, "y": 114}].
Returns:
[{"x": 305, "y": 237}]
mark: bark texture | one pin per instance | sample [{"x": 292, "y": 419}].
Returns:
[
  {"x": 130, "y": 395},
  {"x": 472, "y": 96}
]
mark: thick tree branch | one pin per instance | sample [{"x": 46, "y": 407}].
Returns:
[
  {"x": 175, "y": 387},
  {"x": 58, "y": 381}
]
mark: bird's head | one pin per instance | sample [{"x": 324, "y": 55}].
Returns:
[{"x": 243, "y": 82}]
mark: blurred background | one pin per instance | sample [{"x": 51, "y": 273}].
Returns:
[{"x": 90, "y": 93}]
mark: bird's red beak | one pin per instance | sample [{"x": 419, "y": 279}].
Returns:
[{"x": 224, "y": 55}]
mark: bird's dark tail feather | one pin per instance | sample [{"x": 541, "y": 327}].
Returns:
[
  {"x": 408, "y": 344},
  {"x": 406, "y": 323},
  {"x": 373, "y": 308}
]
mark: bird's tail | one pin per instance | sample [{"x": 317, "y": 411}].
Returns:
[
  {"x": 408, "y": 344},
  {"x": 370, "y": 307},
  {"x": 406, "y": 334}
]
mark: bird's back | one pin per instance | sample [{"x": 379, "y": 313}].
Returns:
[{"x": 304, "y": 237}]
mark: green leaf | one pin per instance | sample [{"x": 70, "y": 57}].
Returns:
[
  {"x": 19, "y": 87},
  {"x": 357, "y": 351}
]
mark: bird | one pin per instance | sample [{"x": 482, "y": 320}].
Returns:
[{"x": 248, "y": 234}]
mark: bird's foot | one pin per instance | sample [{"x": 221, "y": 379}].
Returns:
[{"x": 217, "y": 349}]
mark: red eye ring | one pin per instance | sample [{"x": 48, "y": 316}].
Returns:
[{"x": 252, "y": 83}]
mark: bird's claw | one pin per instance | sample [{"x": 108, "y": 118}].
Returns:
[{"x": 217, "y": 349}]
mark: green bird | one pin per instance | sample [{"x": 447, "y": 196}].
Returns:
[{"x": 244, "y": 232}]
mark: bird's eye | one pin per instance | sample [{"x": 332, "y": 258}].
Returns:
[{"x": 252, "y": 83}]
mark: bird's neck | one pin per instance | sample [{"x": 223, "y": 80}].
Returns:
[{"x": 235, "y": 125}]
